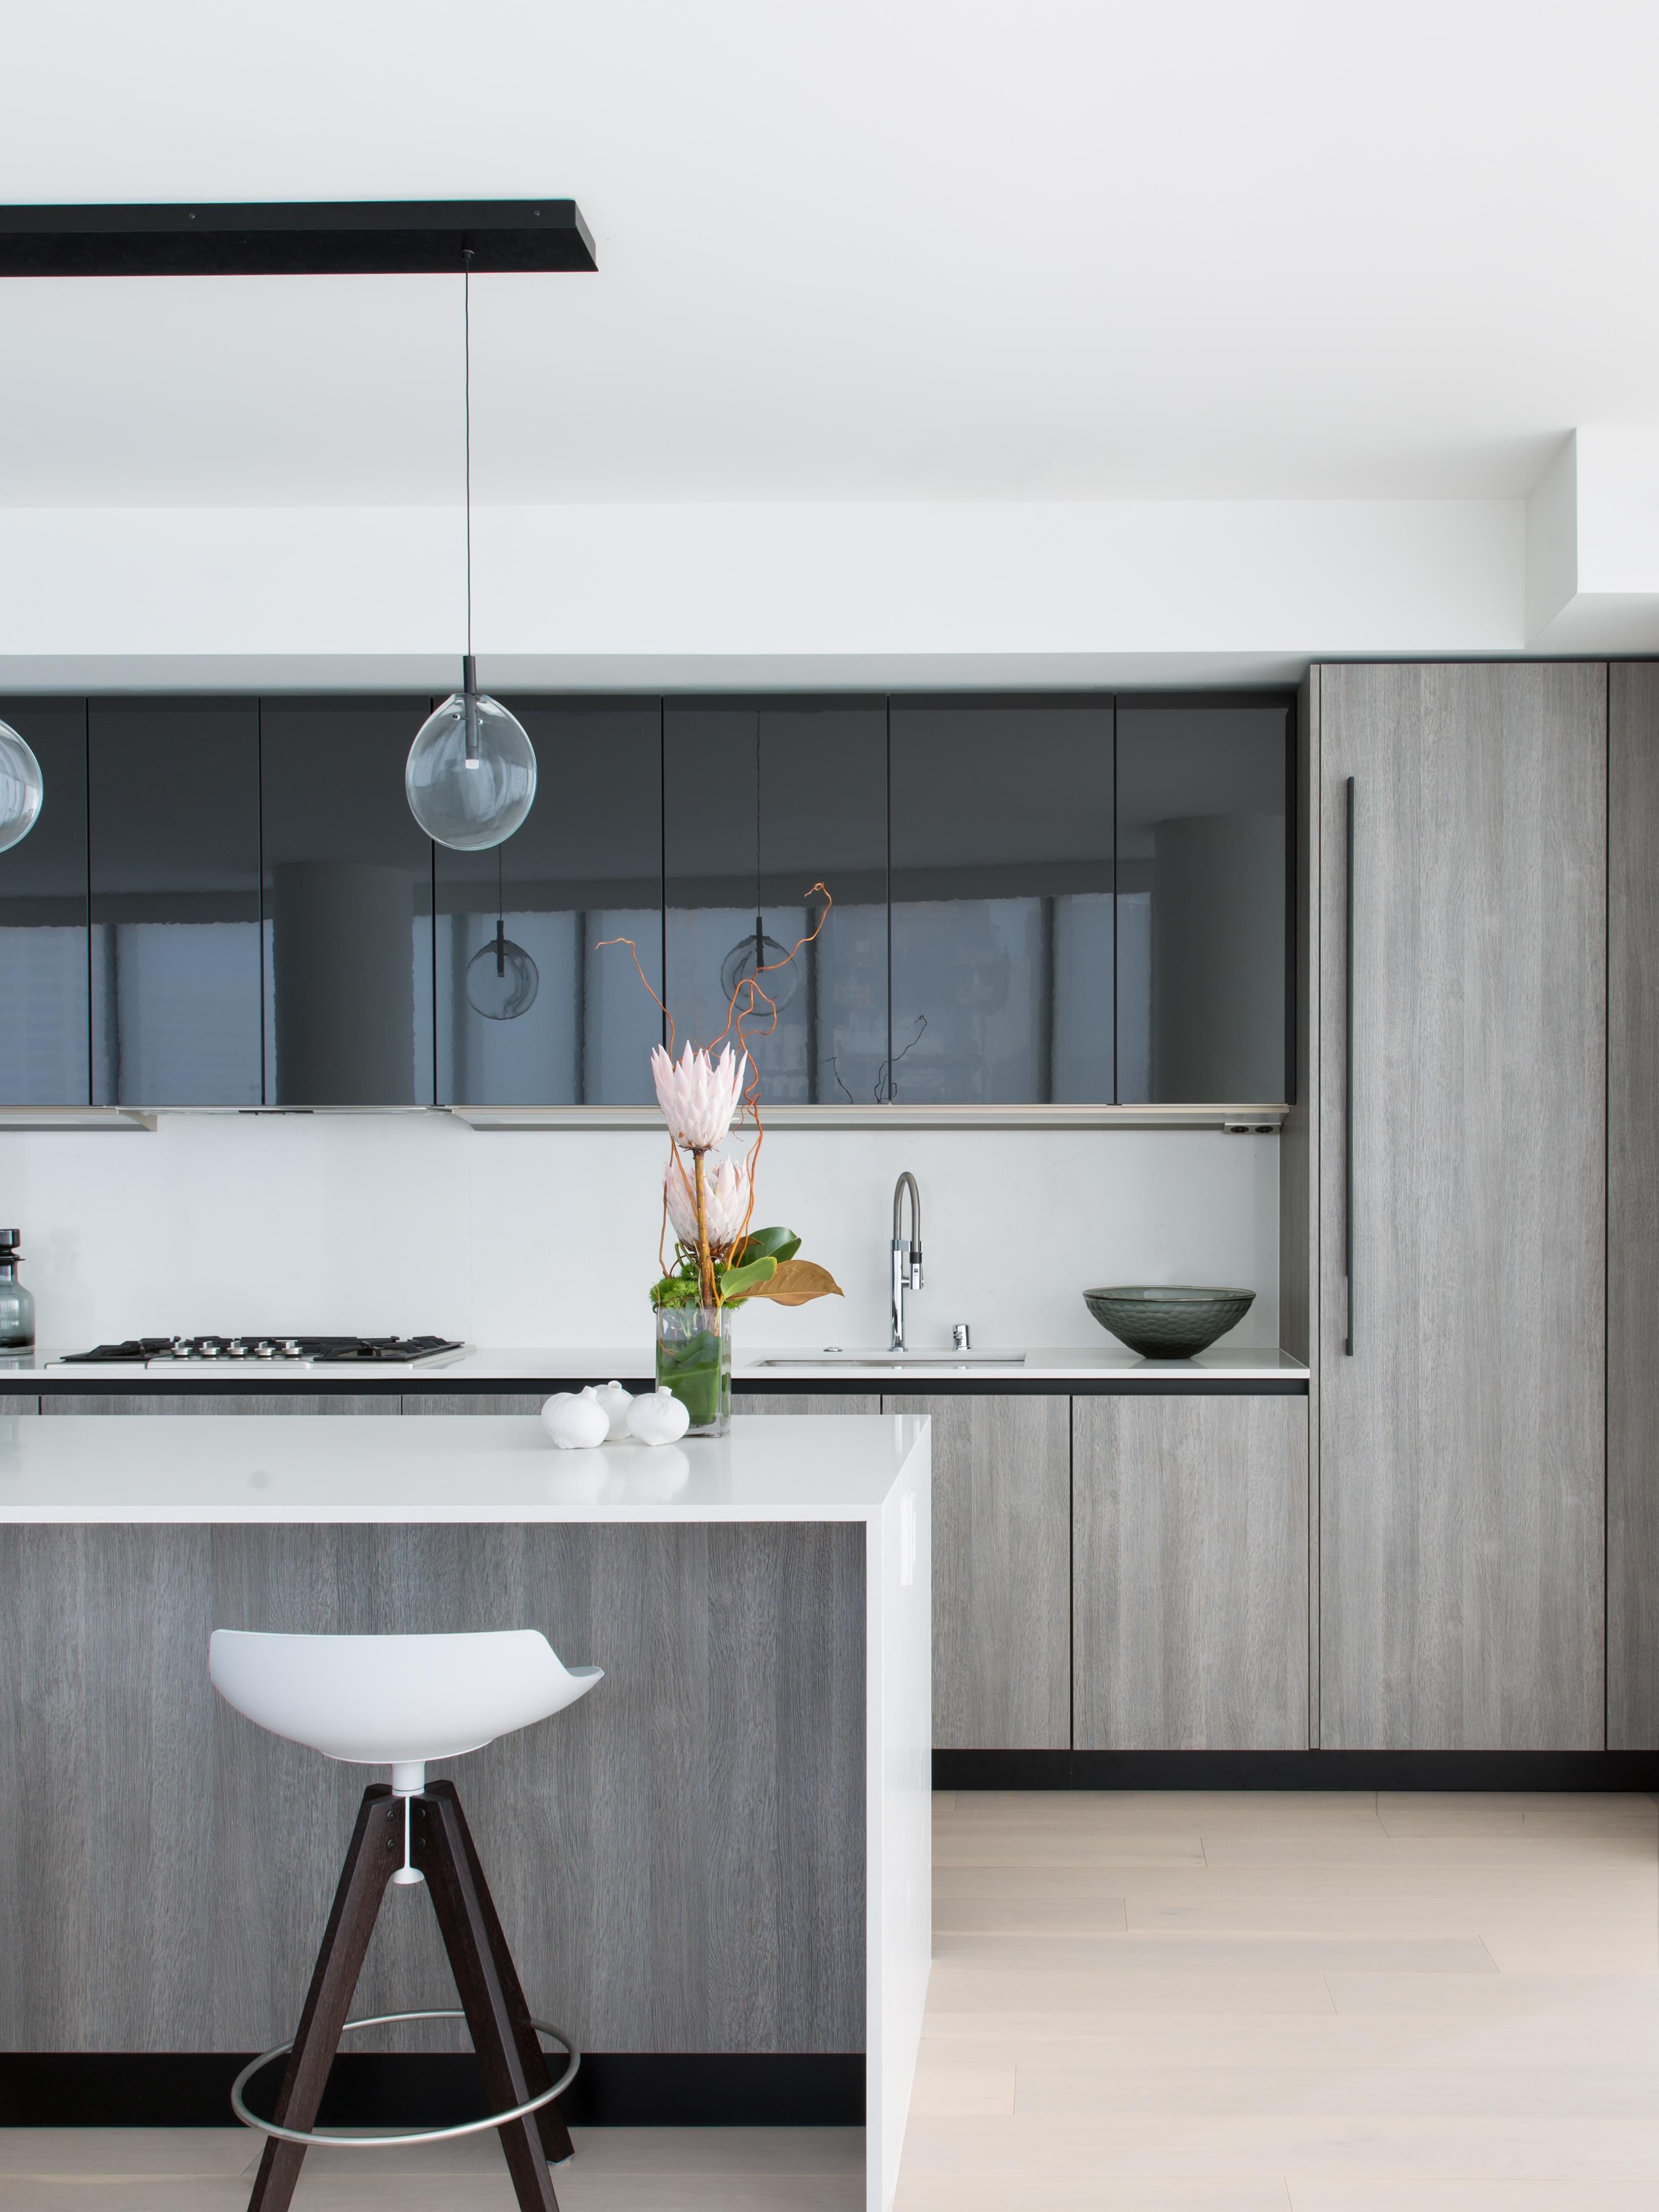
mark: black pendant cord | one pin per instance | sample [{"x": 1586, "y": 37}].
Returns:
[
  {"x": 501, "y": 916},
  {"x": 760, "y": 933}
]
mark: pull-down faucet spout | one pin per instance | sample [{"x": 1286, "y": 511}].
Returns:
[{"x": 906, "y": 1253}]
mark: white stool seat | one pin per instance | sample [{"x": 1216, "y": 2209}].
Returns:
[{"x": 394, "y": 1701}]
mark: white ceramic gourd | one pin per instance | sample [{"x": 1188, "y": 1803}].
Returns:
[
  {"x": 615, "y": 1401},
  {"x": 658, "y": 1418},
  {"x": 577, "y": 1422}
]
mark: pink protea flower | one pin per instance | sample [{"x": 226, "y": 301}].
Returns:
[
  {"x": 724, "y": 1202},
  {"x": 698, "y": 1095}
]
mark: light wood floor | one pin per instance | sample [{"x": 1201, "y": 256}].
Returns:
[
  {"x": 1310, "y": 2003},
  {"x": 1169, "y": 2003}
]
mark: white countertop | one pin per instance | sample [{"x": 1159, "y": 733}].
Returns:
[
  {"x": 443, "y": 1468},
  {"x": 526, "y": 1366}
]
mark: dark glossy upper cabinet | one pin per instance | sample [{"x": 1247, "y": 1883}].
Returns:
[
  {"x": 174, "y": 860},
  {"x": 45, "y": 1030},
  {"x": 534, "y": 1006},
  {"x": 1202, "y": 909},
  {"x": 763, "y": 800},
  {"x": 347, "y": 904},
  {"x": 1002, "y": 883}
]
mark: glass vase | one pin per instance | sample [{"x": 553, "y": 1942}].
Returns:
[{"x": 694, "y": 1360}]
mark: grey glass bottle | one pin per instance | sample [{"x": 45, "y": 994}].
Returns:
[{"x": 16, "y": 1303}]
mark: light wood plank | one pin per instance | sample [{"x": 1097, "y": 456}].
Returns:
[
  {"x": 1001, "y": 1570},
  {"x": 1189, "y": 1588},
  {"x": 1461, "y": 1447},
  {"x": 1633, "y": 1208}
]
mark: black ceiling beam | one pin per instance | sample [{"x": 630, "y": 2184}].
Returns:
[{"x": 306, "y": 238}]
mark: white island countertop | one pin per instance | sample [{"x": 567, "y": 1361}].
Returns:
[
  {"x": 443, "y": 1468},
  {"x": 531, "y": 1366}
]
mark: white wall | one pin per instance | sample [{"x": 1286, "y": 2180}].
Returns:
[{"x": 415, "y": 1223}]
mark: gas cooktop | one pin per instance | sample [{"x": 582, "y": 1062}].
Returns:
[{"x": 262, "y": 1351}]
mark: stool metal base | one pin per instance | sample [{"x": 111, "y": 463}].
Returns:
[
  {"x": 342, "y": 2141},
  {"x": 427, "y": 1830}
]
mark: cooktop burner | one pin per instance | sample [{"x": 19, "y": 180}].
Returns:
[{"x": 264, "y": 1350}]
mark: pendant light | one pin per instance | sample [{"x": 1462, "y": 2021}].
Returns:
[
  {"x": 751, "y": 954},
  {"x": 471, "y": 777},
  {"x": 502, "y": 978},
  {"x": 23, "y": 787}
]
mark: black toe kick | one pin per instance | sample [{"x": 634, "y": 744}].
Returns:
[
  {"x": 1296, "y": 1770},
  {"x": 367, "y": 2089}
]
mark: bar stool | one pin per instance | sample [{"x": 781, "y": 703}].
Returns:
[{"x": 399, "y": 1701}]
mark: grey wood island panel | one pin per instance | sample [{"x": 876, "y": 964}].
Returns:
[
  {"x": 1002, "y": 1548},
  {"x": 679, "y": 1860},
  {"x": 1461, "y": 1441},
  {"x": 1633, "y": 1209},
  {"x": 1190, "y": 1573}
]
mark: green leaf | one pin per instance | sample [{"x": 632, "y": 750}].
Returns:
[
  {"x": 738, "y": 1282},
  {"x": 765, "y": 1244}
]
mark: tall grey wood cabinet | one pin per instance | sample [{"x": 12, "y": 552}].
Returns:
[
  {"x": 1461, "y": 1251},
  {"x": 1633, "y": 1208}
]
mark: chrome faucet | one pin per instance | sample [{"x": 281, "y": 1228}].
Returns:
[{"x": 907, "y": 1252}]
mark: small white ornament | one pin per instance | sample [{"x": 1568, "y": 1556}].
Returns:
[
  {"x": 660, "y": 1418},
  {"x": 615, "y": 1401},
  {"x": 575, "y": 1423}
]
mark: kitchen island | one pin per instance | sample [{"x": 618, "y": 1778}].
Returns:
[{"x": 720, "y": 1862}]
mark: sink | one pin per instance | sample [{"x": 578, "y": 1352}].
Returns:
[{"x": 895, "y": 1359}]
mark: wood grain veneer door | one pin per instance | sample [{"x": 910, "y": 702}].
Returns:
[
  {"x": 1633, "y": 1211},
  {"x": 1190, "y": 1573},
  {"x": 1462, "y": 1448},
  {"x": 1002, "y": 1565}
]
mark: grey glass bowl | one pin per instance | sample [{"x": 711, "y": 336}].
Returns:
[{"x": 1167, "y": 1321}]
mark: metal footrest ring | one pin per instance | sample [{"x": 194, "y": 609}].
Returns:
[{"x": 332, "y": 2141}]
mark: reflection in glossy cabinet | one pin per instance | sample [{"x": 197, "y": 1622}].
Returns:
[
  {"x": 44, "y": 977},
  {"x": 1002, "y": 913},
  {"x": 585, "y": 870},
  {"x": 347, "y": 878},
  {"x": 1002, "y": 1538},
  {"x": 762, "y": 800},
  {"x": 1190, "y": 1573},
  {"x": 1202, "y": 950},
  {"x": 173, "y": 860}
]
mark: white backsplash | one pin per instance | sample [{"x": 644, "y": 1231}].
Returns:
[{"x": 366, "y": 1224}]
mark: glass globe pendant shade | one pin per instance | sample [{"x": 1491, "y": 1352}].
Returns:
[
  {"x": 746, "y": 959},
  {"x": 501, "y": 978},
  {"x": 470, "y": 778},
  {"x": 23, "y": 787}
]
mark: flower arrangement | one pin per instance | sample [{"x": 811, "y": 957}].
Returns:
[{"x": 720, "y": 1261}]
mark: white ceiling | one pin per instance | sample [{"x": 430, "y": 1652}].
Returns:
[{"x": 923, "y": 250}]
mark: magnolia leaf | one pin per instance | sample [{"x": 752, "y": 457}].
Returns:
[
  {"x": 746, "y": 1282},
  {"x": 765, "y": 1244},
  {"x": 797, "y": 1282}
]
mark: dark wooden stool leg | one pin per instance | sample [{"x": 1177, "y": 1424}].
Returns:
[
  {"x": 438, "y": 1848},
  {"x": 375, "y": 1851},
  {"x": 556, "y": 2137}
]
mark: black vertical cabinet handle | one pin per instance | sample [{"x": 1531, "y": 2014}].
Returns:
[{"x": 1348, "y": 1083}]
